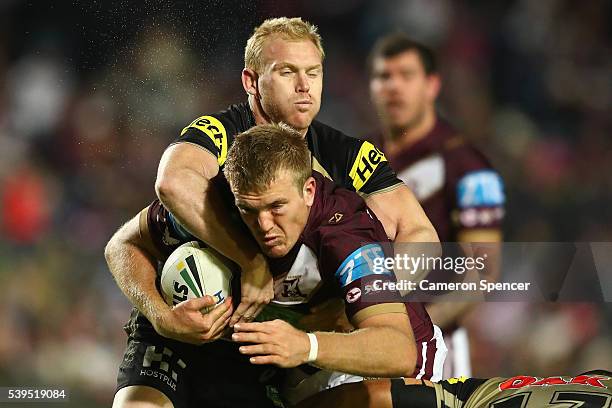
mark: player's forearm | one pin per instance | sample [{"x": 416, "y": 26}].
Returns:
[
  {"x": 420, "y": 233},
  {"x": 196, "y": 203},
  {"x": 369, "y": 352},
  {"x": 402, "y": 216},
  {"x": 135, "y": 274}
]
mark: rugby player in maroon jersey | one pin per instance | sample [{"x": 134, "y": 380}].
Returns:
[
  {"x": 291, "y": 213},
  {"x": 459, "y": 190},
  {"x": 321, "y": 241}
]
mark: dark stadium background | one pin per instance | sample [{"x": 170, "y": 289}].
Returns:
[{"x": 92, "y": 91}]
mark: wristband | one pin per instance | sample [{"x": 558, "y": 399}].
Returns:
[{"x": 314, "y": 348}]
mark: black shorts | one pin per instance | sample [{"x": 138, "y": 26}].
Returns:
[{"x": 211, "y": 375}]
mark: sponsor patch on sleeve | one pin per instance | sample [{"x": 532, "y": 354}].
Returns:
[
  {"x": 482, "y": 188},
  {"x": 214, "y": 129},
  {"x": 364, "y": 261},
  {"x": 366, "y": 162}
]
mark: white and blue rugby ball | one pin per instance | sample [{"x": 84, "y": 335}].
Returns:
[{"x": 193, "y": 271}]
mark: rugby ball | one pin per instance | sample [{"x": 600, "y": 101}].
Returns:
[{"x": 193, "y": 271}]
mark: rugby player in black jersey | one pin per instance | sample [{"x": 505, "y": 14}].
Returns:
[
  {"x": 322, "y": 241},
  {"x": 592, "y": 389},
  {"x": 283, "y": 77}
]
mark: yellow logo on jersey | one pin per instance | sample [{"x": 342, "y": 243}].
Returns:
[
  {"x": 368, "y": 159},
  {"x": 215, "y": 130},
  {"x": 455, "y": 380}
]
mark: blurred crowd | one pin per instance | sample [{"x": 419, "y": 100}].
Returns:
[{"x": 91, "y": 95}]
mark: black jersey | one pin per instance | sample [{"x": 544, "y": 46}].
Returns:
[{"x": 352, "y": 163}]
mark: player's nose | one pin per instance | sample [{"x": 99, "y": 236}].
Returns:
[
  {"x": 265, "y": 221},
  {"x": 303, "y": 82}
]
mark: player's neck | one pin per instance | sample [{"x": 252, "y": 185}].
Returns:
[
  {"x": 404, "y": 138},
  {"x": 258, "y": 113}
]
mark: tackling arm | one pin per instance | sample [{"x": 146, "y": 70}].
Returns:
[
  {"x": 184, "y": 187},
  {"x": 402, "y": 215}
]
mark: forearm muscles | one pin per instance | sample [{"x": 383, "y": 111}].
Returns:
[
  {"x": 371, "y": 352},
  {"x": 402, "y": 216},
  {"x": 185, "y": 187},
  {"x": 135, "y": 274}
]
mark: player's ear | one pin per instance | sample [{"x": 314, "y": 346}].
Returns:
[
  {"x": 308, "y": 191},
  {"x": 249, "y": 81},
  {"x": 434, "y": 83}
]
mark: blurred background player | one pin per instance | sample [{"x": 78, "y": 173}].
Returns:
[
  {"x": 592, "y": 389},
  {"x": 459, "y": 190}
]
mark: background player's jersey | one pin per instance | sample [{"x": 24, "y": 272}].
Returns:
[
  {"x": 333, "y": 258},
  {"x": 456, "y": 185},
  {"x": 585, "y": 391},
  {"x": 352, "y": 163}
]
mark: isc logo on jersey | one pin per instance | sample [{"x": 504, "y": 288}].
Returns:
[{"x": 192, "y": 271}]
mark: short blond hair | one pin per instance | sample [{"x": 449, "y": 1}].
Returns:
[
  {"x": 292, "y": 29},
  {"x": 258, "y": 155}
]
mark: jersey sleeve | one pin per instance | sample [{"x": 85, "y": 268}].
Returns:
[
  {"x": 357, "y": 267},
  {"x": 370, "y": 171},
  {"x": 478, "y": 192},
  {"x": 166, "y": 233},
  {"x": 212, "y": 132},
  {"x": 352, "y": 163}
]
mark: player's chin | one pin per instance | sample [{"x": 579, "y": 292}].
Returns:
[
  {"x": 276, "y": 251},
  {"x": 301, "y": 120}
]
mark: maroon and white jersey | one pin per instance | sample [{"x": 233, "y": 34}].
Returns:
[
  {"x": 458, "y": 190},
  {"x": 334, "y": 257},
  {"x": 455, "y": 184}
]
